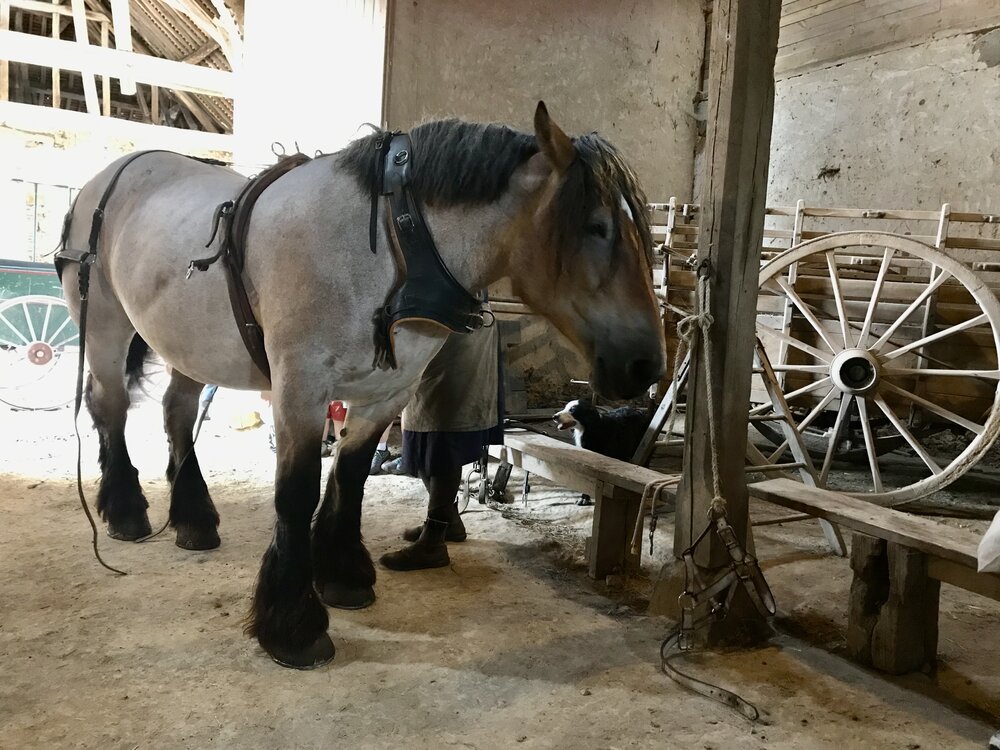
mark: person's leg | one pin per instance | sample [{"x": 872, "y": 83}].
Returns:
[
  {"x": 430, "y": 550},
  {"x": 382, "y": 453}
]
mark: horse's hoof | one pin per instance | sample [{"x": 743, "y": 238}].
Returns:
[
  {"x": 339, "y": 596},
  {"x": 197, "y": 537},
  {"x": 130, "y": 529},
  {"x": 319, "y": 653}
]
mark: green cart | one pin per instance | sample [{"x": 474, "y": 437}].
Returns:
[{"x": 39, "y": 342}]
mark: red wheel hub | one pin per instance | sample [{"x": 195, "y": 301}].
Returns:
[{"x": 39, "y": 353}]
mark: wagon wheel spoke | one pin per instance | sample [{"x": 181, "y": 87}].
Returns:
[
  {"x": 838, "y": 426},
  {"x": 818, "y": 369},
  {"x": 866, "y": 428},
  {"x": 879, "y": 281},
  {"x": 801, "y": 426},
  {"x": 28, "y": 321},
  {"x": 55, "y": 334},
  {"x": 950, "y": 331},
  {"x": 941, "y": 411},
  {"x": 807, "y": 313},
  {"x": 12, "y": 327},
  {"x": 956, "y": 373},
  {"x": 45, "y": 323},
  {"x": 933, "y": 285},
  {"x": 792, "y": 341},
  {"x": 838, "y": 297},
  {"x": 903, "y": 430}
]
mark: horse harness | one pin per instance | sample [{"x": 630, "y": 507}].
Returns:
[{"x": 425, "y": 289}]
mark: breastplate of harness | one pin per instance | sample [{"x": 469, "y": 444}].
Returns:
[{"x": 428, "y": 291}]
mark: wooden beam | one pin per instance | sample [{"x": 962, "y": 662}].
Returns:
[
  {"x": 206, "y": 24},
  {"x": 744, "y": 42},
  {"x": 105, "y": 83},
  {"x": 37, "y": 6},
  {"x": 56, "y": 83},
  {"x": 123, "y": 39},
  {"x": 154, "y": 105},
  {"x": 82, "y": 44},
  {"x": 196, "y": 56},
  {"x": 37, "y": 50},
  {"x": 4, "y": 65},
  {"x": 188, "y": 100}
]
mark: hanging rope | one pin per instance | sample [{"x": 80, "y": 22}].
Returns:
[{"x": 743, "y": 570}]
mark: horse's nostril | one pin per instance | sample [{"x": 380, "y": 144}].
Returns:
[{"x": 645, "y": 371}]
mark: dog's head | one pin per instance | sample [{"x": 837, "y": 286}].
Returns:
[{"x": 576, "y": 414}]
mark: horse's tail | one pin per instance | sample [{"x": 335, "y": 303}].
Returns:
[{"x": 138, "y": 352}]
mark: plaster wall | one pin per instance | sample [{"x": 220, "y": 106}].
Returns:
[
  {"x": 909, "y": 128},
  {"x": 628, "y": 69}
]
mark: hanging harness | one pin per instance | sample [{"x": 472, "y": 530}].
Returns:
[{"x": 428, "y": 291}]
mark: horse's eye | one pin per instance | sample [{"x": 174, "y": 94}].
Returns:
[{"x": 598, "y": 229}]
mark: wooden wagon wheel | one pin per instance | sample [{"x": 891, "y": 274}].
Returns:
[
  {"x": 39, "y": 344},
  {"x": 887, "y": 345}
]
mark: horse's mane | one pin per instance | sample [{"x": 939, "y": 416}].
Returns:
[{"x": 465, "y": 163}]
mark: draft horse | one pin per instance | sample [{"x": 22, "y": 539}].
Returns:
[{"x": 563, "y": 218}]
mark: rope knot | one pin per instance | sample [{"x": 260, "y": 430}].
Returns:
[{"x": 717, "y": 508}]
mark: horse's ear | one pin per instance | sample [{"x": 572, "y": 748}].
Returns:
[{"x": 552, "y": 141}]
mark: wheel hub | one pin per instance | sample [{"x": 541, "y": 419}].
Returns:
[
  {"x": 40, "y": 353},
  {"x": 855, "y": 371}
]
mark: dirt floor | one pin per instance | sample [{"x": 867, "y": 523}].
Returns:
[{"x": 511, "y": 646}]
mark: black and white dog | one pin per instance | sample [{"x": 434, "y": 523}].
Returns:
[{"x": 615, "y": 433}]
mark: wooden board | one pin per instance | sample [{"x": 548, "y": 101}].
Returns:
[
  {"x": 574, "y": 467},
  {"x": 950, "y": 545}
]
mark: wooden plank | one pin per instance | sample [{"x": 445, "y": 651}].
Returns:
[
  {"x": 744, "y": 38},
  {"x": 105, "y": 83},
  {"x": 37, "y": 50},
  {"x": 74, "y": 49},
  {"x": 37, "y": 6},
  {"x": 922, "y": 534},
  {"x": 570, "y": 466},
  {"x": 845, "y": 19},
  {"x": 56, "y": 73},
  {"x": 955, "y": 574},
  {"x": 122, "y": 21}
]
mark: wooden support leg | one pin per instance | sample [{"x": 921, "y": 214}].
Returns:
[
  {"x": 905, "y": 637},
  {"x": 869, "y": 591},
  {"x": 893, "y": 618},
  {"x": 606, "y": 540}
]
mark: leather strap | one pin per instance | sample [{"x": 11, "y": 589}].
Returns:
[
  {"x": 429, "y": 291},
  {"x": 233, "y": 218}
]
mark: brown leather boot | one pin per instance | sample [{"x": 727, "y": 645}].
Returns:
[
  {"x": 456, "y": 531},
  {"x": 428, "y": 551}
]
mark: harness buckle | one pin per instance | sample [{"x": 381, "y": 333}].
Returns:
[{"x": 405, "y": 222}]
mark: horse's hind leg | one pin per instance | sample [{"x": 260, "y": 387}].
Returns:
[
  {"x": 192, "y": 513},
  {"x": 119, "y": 498}
]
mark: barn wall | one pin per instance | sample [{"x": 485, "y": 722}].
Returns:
[
  {"x": 910, "y": 127},
  {"x": 629, "y": 69}
]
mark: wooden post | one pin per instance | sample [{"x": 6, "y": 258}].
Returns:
[
  {"x": 56, "y": 83},
  {"x": 83, "y": 39},
  {"x": 105, "y": 81},
  {"x": 4, "y": 65},
  {"x": 741, "y": 99}
]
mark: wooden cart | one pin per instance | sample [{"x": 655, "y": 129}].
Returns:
[{"x": 884, "y": 344}]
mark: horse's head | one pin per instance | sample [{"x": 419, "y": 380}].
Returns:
[{"x": 582, "y": 257}]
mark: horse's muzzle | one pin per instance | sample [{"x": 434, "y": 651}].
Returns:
[{"x": 626, "y": 371}]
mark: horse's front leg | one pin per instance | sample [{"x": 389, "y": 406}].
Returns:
[
  {"x": 287, "y": 617},
  {"x": 345, "y": 575}
]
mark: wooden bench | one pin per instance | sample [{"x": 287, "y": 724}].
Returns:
[
  {"x": 615, "y": 486},
  {"x": 899, "y": 561}
]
